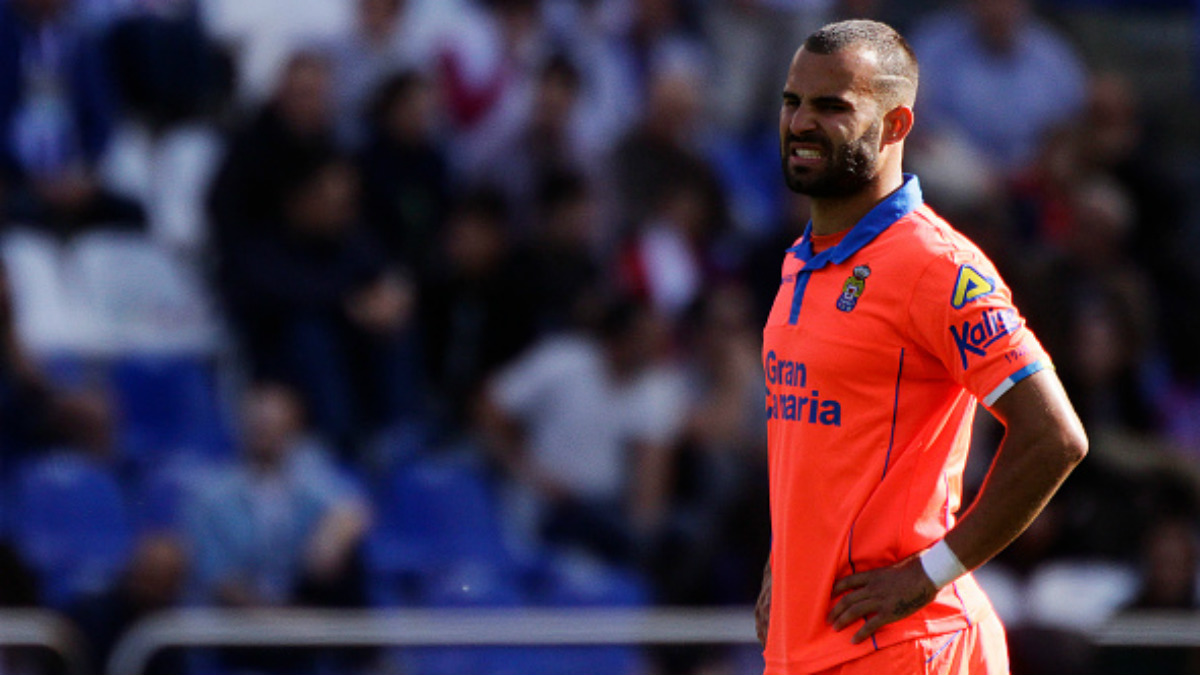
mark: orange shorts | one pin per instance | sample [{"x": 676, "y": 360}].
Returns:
[{"x": 978, "y": 650}]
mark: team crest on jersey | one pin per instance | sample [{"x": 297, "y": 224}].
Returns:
[
  {"x": 971, "y": 286},
  {"x": 853, "y": 289}
]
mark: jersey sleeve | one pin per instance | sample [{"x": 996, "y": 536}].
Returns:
[{"x": 963, "y": 313}]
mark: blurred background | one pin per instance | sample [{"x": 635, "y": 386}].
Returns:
[{"x": 394, "y": 304}]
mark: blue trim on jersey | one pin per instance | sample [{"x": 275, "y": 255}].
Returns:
[
  {"x": 1027, "y": 371},
  {"x": 798, "y": 296},
  {"x": 906, "y": 199},
  {"x": 895, "y": 413},
  {"x": 1012, "y": 380}
]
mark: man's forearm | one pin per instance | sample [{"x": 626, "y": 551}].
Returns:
[
  {"x": 1031, "y": 464},
  {"x": 1017, "y": 488}
]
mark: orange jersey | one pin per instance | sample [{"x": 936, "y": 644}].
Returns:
[{"x": 875, "y": 353}]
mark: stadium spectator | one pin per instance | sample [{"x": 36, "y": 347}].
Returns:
[
  {"x": 316, "y": 304},
  {"x": 669, "y": 261},
  {"x": 477, "y": 311},
  {"x": 974, "y": 57},
  {"x": 56, "y": 116},
  {"x": 1168, "y": 556},
  {"x": 1116, "y": 138},
  {"x": 164, "y": 66},
  {"x": 379, "y": 44},
  {"x": 543, "y": 135},
  {"x": 283, "y": 137},
  {"x": 648, "y": 36},
  {"x": 585, "y": 33},
  {"x": 1095, "y": 282},
  {"x": 1170, "y": 559},
  {"x": 282, "y": 526},
  {"x": 69, "y": 517},
  {"x": 670, "y": 198},
  {"x": 406, "y": 175},
  {"x": 153, "y": 580},
  {"x": 562, "y": 263},
  {"x": 580, "y": 426},
  {"x": 666, "y": 147},
  {"x": 748, "y": 39}
]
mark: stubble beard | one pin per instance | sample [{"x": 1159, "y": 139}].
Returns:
[{"x": 851, "y": 167}]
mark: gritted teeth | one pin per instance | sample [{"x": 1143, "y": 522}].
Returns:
[{"x": 806, "y": 153}]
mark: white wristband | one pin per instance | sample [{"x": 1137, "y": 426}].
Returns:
[{"x": 941, "y": 565}]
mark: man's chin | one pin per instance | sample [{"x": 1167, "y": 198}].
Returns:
[
  {"x": 817, "y": 187},
  {"x": 801, "y": 181},
  {"x": 803, "y": 187}
]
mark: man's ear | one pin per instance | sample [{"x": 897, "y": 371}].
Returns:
[{"x": 897, "y": 123}]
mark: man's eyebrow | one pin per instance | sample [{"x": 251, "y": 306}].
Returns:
[
  {"x": 825, "y": 100},
  {"x": 830, "y": 100}
]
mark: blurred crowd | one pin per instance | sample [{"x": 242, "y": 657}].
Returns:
[{"x": 459, "y": 304}]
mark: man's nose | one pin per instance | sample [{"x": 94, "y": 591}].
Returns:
[{"x": 802, "y": 120}]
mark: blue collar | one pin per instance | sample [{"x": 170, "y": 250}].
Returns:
[{"x": 900, "y": 203}]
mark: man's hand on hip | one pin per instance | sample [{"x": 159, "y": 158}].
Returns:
[{"x": 880, "y": 597}]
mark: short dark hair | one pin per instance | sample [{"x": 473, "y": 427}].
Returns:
[{"x": 896, "y": 82}]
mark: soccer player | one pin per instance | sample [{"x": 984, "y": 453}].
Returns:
[{"x": 889, "y": 325}]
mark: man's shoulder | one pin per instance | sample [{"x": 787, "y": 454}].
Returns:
[{"x": 923, "y": 236}]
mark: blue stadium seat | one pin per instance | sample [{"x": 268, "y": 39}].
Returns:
[
  {"x": 432, "y": 515},
  {"x": 69, "y": 522},
  {"x": 578, "y": 581},
  {"x": 168, "y": 405},
  {"x": 474, "y": 583},
  {"x": 569, "y": 580}
]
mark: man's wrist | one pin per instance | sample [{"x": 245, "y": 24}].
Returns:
[{"x": 941, "y": 565}]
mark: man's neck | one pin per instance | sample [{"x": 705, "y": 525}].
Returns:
[{"x": 831, "y": 216}]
